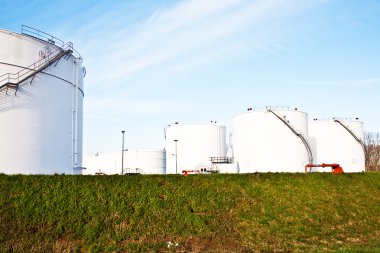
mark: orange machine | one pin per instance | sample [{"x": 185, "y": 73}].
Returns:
[
  {"x": 336, "y": 169},
  {"x": 187, "y": 172}
]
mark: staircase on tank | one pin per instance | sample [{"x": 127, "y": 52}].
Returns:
[
  {"x": 347, "y": 128},
  {"x": 298, "y": 134},
  {"x": 13, "y": 80}
]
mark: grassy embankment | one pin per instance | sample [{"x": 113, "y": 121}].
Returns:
[{"x": 198, "y": 213}]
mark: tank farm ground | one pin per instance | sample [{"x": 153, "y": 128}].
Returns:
[{"x": 272, "y": 212}]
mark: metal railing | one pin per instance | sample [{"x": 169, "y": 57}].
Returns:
[
  {"x": 27, "y": 30},
  {"x": 33, "y": 32},
  {"x": 222, "y": 159},
  {"x": 13, "y": 79},
  {"x": 134, "y": 171}
]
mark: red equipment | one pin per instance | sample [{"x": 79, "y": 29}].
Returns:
[
  {"x": 336, "y": 169},
  {"x": 187, "y": 172}
]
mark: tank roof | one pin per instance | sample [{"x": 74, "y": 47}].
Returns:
[
  {"x": 344, "y": 119},
  {"x": 267, "y": 108},
  {"x": 213, "y": 123},
  {"x": 10, "y": 32}
]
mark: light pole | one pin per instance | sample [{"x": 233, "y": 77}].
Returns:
[
  {"x": 122, "y": 154},
  {"x": 176, "y": 155}
]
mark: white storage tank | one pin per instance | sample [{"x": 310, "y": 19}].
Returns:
[
  {"x": 103, "y": 163},
  {"x": 143, "y": 161},
  {"x": 339, "y": 140},
  {"x": 272, "y": 139},
  {"x": 41, "y": 104},
  {"x": 190, "y": 147}
]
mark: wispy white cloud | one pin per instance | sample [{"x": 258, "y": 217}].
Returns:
[
  {"x": 104, "y": 118},
  {"x": 184, "y": 37},
  {"x": 346, "y": 83},
  {"x": 366, "y": 82},
  {"x": 103, "y": 107},
  {"x": 173, "y": 41}
]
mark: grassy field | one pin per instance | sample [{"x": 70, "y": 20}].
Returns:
[{"x": 198, "y": 213}]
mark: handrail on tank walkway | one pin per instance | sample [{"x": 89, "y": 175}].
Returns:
[
  {"x": 27, "y": 30},
  {"x": 14, "y": 79},
  {"x": 221, "y": 159},
  {"x": 33, "y": 32}
]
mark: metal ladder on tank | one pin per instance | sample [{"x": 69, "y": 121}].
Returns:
[
  {"x": 356, "y": 138},
  {"x": 299, "y": 135},
  {"x": 13, "y": 80}
]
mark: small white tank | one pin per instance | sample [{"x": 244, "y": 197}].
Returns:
[
  {"x": 190, "y": 147},
  {"x": 143, "y": 161},
  {"x": 338, "y": 141},
  {"x": 104, "y": 163},
  {"x": 41, "y": 118},
  {"x": 271, "y": 140}
]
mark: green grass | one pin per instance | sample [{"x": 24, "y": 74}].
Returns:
[{"x": 198, "y": 213}]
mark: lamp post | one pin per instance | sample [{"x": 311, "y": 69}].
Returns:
[
  {"x": 122, "y": 154},
  {"x": 176, "y": 155}
]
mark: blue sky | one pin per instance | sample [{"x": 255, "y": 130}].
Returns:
[{"x": 151, "y": 63}]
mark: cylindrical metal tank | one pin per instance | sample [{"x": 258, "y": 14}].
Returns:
[
  {"x": 41, "y": 105},
  {"x": 143, "y": 161},
  {"x": 271, "y": 140},
  {"x": 104, "y": 163},
  {"x": 338, "y": 141},
  {"x": 189, "y": 147}
]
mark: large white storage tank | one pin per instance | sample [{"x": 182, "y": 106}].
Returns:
[
  {"x": 338, "y": 141},
  {"x": 41, "y": 104},
  {"x": 273, "y": 139},
  {"x": 190, "y": 147},
  {"x": 143, "y": 161}
]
